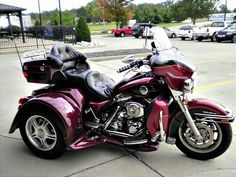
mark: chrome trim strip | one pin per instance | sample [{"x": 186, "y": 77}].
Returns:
[
  {"x": 135, "y": 142},
  {"x": 115, "y": 133}
]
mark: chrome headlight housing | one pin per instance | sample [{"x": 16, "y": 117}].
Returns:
[{"x": 190, "y": 84}]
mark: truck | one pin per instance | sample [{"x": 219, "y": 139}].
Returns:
[
  {"x": 122, "y": 32},
  {"x": 211, "y": 31}
]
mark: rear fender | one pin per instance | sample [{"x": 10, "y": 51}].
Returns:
[
  {"x": 68, "y": 111},
  {"x": 216, "y": 111}
]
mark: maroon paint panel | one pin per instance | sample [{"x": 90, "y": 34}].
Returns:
[
  {"x": 201, "y": 103},
  {"x": 99, "y": 105},
  {"x": 154, "y": 116},
  {"x": 146, "y": 80},
  {"x": 211, "y": 105},
  {"x": 174, "y": 75},
  {"x": 70, "y": 110}
]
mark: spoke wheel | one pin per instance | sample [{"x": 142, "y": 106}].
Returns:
[
  {"x": 210, "y": 132},
  {"x": 41, "y": 134},
  {"x": 216, "y": 139}
]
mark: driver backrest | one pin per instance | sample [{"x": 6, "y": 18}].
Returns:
[{"x": 68, "y": 56}]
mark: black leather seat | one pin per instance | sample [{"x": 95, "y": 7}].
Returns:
[
  {"x": 100, "y": 83},
  {"x": 70, "y": 66},
  {"x": 72, "y": 70}
]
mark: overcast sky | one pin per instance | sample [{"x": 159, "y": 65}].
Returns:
[{"x": 32, "y": 5}]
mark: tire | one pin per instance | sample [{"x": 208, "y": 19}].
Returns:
[
  {"x": 199, "y": 39},
  {"x": 213, "y": 38},
  {"x": 41, "y": 134},
  {"x": 173, "y": 35},
  {"x": 183, "y": 38},
  {"x": 122, "y": 34},
  {"x": 136, "y": 36},
  {"x": 233, "y": 40},
  {"x": 216, "y": 142}
]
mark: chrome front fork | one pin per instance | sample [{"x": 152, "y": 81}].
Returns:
[{"x": 184, "y": 108}]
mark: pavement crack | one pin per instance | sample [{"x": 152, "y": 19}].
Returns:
[
  {"x": 94, "y": 166},
  {"x": 8, "y": 137},
  {"x": 144, "y": 163}
]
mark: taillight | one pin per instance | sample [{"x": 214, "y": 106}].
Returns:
[
  {"x": 21, "y": 101},
  {"x": 26, "y": 74}
]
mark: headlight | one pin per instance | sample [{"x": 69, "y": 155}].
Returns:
[
  {"x": 190, "y": 84},
  {"x": 229, "y": 33}
]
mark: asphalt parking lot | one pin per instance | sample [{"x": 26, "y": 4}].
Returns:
[{"x": 216, "y": 81}]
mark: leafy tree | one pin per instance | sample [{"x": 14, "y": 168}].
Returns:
[
  {"x": 148, "y": 13},
  {"x": 196, "y": 8},
  {"x": 82, "y": 32},
  {"x": 176, "y": 12},
  {"x": 92, "y": 10},
  {"x": 224, "y": 9},
  {"x": 117, "y": 10}
]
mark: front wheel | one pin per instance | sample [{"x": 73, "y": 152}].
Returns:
[
  {"x": 216, "y": 140},
  {"x": 41, "y": 134}
]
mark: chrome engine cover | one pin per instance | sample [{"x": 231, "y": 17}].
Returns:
[{"x": 134, "y": 109}]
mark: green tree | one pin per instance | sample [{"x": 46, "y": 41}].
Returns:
[
  {"x": 224, "y": 9},
  {"x": 196, "y": 8},
  {"x": 176, "y": 12},
  {"x": 117, "y": 10},
  {"x": 82, "y": 32}
]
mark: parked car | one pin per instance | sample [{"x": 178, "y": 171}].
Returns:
[
  {"x": 170, "y": 33},
  {"x": 138, "y": 29},
  {"x": 187, "y": 31},
  {"x": 122, "y": 32},
  {"x": 229, "y": 33},
  {"x": 149, "y": 32},
  {"x": 210, "y": 32}
]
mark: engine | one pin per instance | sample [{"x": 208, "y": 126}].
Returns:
[{"x": 130, "y": 119}]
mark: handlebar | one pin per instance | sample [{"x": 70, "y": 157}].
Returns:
[{"x": 138, "y": 63}]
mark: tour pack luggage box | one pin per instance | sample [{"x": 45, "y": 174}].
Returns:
[{"x": 36, "y": 68}]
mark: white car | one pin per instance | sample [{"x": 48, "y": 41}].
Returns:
[
  {"x": 187, "y": 31},
  {"x": 148, "y": 32}
]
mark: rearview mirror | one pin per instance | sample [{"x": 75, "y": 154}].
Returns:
[{"x": 128, "y": 59}]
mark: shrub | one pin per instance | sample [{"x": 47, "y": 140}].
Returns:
[{"x": 82, "y": 32}]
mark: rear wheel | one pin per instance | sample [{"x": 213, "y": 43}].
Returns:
[
  {"x": 122, "y": 34},
  {"x": 173, "y": 35},
  {"x": 41, "y": 134},
  {"x": 216, "y": 139},
  {"x": 213, "y": 38},
  {"x": 233, "y": 40}
]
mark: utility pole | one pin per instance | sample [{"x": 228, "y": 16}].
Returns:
[
  {"x": 225, "y": 9},
  {"x": 59, "y": 2},
  {"x": 40, "y": 17}
]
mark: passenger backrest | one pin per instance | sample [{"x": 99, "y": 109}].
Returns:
[{"x": 69, "y": 56}]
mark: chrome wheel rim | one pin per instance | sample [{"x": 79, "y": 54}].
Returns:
[
  {"x": 41, "y": 133},
  {"x": 210, "y": 132}
]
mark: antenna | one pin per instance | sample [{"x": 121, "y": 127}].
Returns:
[{"x": 12, "y": 38}]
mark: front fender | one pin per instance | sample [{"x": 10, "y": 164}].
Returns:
[
  {"x": 68, "y": 110},
  {"x": 223, "y": 114}
]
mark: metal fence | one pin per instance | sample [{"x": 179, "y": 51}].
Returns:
[{"x": 35, "y": 38}]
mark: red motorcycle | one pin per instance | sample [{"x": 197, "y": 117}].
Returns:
[{"x": 81, "y": 108}]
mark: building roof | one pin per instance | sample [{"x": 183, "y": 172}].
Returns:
[{"x": 4, "y": 8}]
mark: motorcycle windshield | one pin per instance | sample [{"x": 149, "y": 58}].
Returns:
[
  {"x": 167, "y": 55},
  {"x": 161, "y": 39}
]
